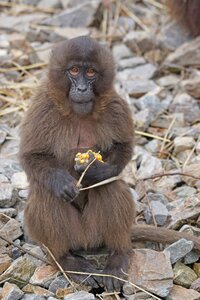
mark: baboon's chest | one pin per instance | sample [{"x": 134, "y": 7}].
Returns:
[{"x": 83, "y": 136}]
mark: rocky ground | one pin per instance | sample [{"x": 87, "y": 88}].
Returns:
[{"x": 158, "y": 74}]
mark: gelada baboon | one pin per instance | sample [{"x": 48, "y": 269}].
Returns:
[{"x": 76, "y": 108}]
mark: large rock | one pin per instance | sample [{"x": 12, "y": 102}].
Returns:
[
  {"x": 9, "y": 228},
  {"x": 137, "y": 87},
  {"x": 156, "y": 278},
  {"x": 81, "y": 15},
  {"x": 149, "y": 166},
  {"x": 187, "y": 54},
  {"x": 184, "y": 103},
  {"x": 44, "y": 275},
  {"x": 192, "y": 86},
  {"x": 11, "y": 292},
  {"x": 194, "y": 170},
  {"x": 20, "y": 271},
  {"x": 179, "y": 249},
  {"x": 184, "y": 210},
  {"x": 5, "y": 262},
  {"x": 82, "y": 295},
  {"x": 182, "y": 143},
  {"x": 140, "y": 39},
  {"x": 19, "y": 180},
  {"x": 145, "y": 71},
  {"x": 183, "y": 275},
  {"x": 7, "y": 193},
  {"x": 181, "y": 293}
]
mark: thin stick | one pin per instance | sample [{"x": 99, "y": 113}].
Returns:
[
  {"x": 152, "y": 136},
  {"x": 166, "y": 134},
  {"x": 106, "y": 181},
  {"x": 83, "y": 174},
  {"x": 25, "y": 250},
  {"x": 58, "y": 265}
]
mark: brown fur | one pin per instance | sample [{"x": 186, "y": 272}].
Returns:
[
  {"x": 51, "y": 135},
  {"x": 187, "y": 13}
]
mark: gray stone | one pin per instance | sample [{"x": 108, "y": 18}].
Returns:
[
  {"x": 169, "y": 80},
  {"x": 35, "y": 250},
  {"x": 187, "y": 54},
  {"x": 192, "y": 86},
  {"x": 130, "y": 62},
  {"x": 183, "y": 143},
  {"x": 7, "y": 195},
  {"x": 184, "y": 210},
  {"x": 183, "y": 103},
  {"x": 140, "y": 39},
  {"x": 3, "y": 179},
  {"x": 33, "y": 297},
  {"x": 157, "y": 197},
  {"x": 149, "y": 166},
  {"x": 143, "y": 119},
  {"x": 19, "y": 180},
  {"x": 193, "y": 169},
  {"x": 184, "y": 191},
  {"x": 121, "y": 51},
  {"x": 146, "y": 71},
  {"x": 181, "y": 293},
  {"x": 82, "y": 295},
  {"x": 81, "y": 15},
  {"x": 138, "y": 296},
  {"x": 191, "y": 257},
  {"x": 164, "y": 121},
  {"x": 183, "y": 275},
  {"x": 11, "y": 292},
  {"x": 58, "y": 283},
  {"x": 158, "y": 211},
  {"x": 23, "y": 193},
  {"x": 156, "y": 278},
  {"x": 179, "y": 249},
  {"x": 41, "y": 52},
  {"x": 10, "y": 22},
  {"x": 173, "y": 35},
  {"x": 9, "y": 228},
  {"x": 190, "y": 229},
  {"x": 60, "y": 33},
  {"x": 153, "y": 146},
  {"x": 125, "y": 24},
  {"x": 196, "y": 286},
  {"x": 49, "y": 4},
  {"x": 137, "y": 87},
  {"x": 44, "y": 275},
  {"x": 10, "y": 148},
  {"x": 153, "y": 103},
  {"x": 20, "y": 271},
  {"x": 10, "y": 212},
  {"x": 5, "y": 262}
]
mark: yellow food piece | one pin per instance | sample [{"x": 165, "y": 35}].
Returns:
[{"x": 84, "y": 157}]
